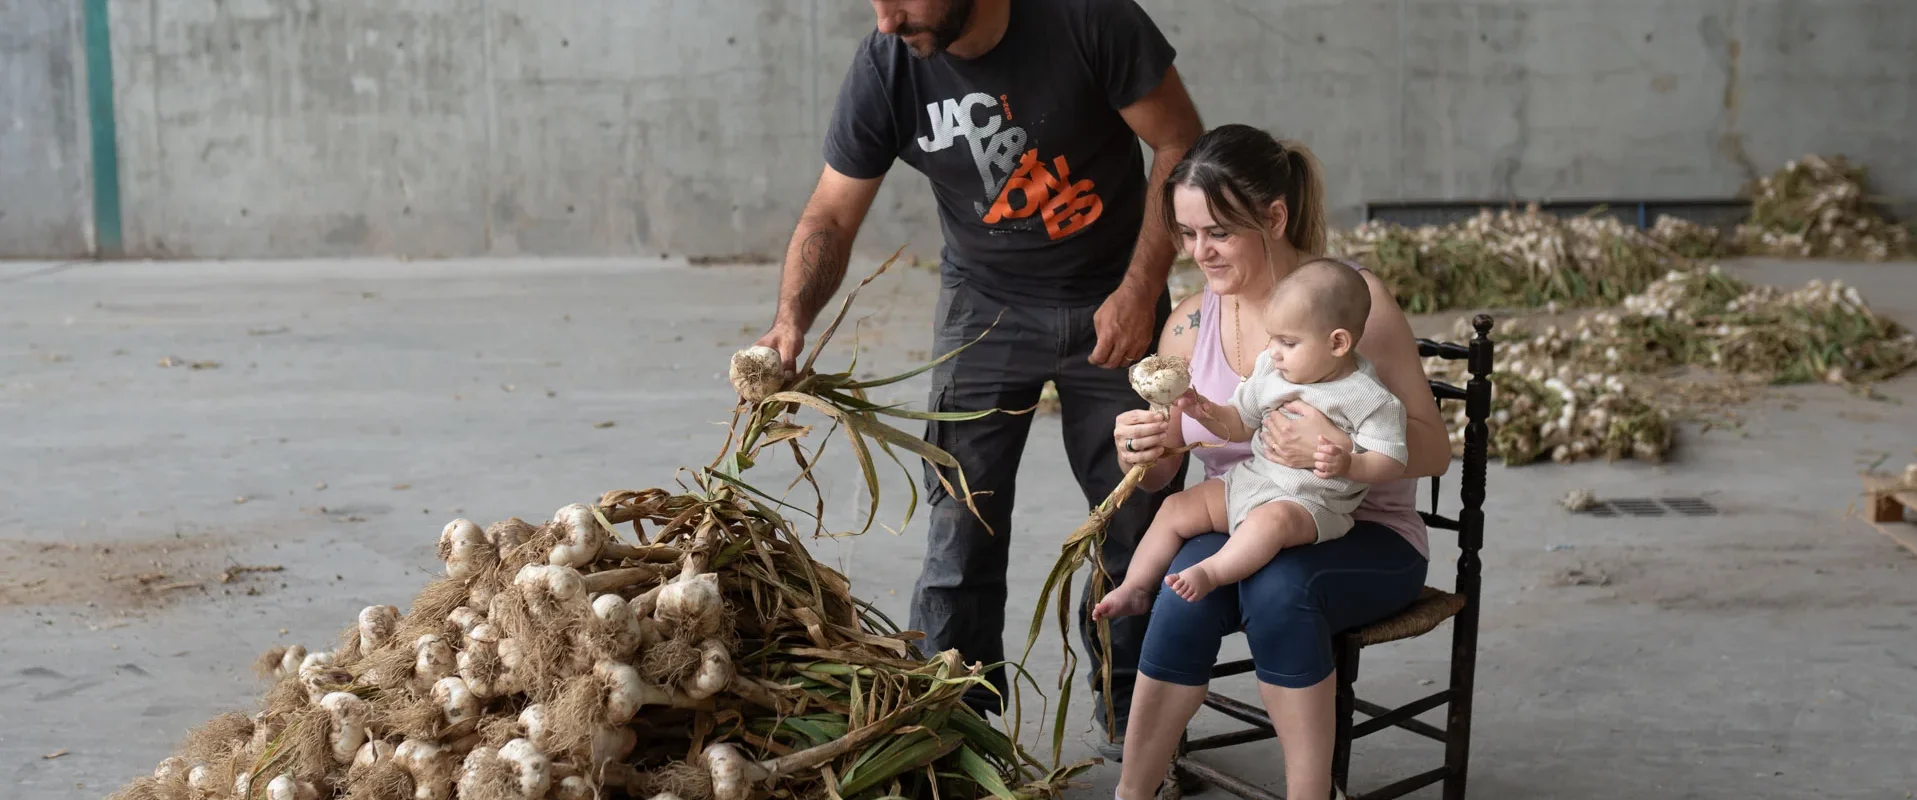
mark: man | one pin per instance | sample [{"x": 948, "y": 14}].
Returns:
[{"x": 1026, "y": 117}]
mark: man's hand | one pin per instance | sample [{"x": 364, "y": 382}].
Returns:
[
  {"x": 788, "y": 340},
  {"x": 1125, "y": 323},
  {"x": 1331, "y": 460}
]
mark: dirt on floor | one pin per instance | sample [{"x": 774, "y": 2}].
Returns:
[{"x": 126, "y": 576}]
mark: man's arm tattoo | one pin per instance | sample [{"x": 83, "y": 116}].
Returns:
[{"x": 821, "y": 268}]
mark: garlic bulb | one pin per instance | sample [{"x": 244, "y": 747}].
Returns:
[
  {"x": 376, "y": 626},
  {"x": 756, "y": 372},
  {"x": 465, "y": 549},
  {"x": 1160, "y": 379},
  {"x": 584, "y": 537}
]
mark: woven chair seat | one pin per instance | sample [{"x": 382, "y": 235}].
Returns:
[{"x": 1431, "y": 609}]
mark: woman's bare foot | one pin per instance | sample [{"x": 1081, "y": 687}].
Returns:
[
  {"x": 1124, "y": 601},
  {"x": 1193, "y": 583}
]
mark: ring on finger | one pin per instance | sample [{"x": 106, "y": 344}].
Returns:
[{"x": 1128, "y": 445}]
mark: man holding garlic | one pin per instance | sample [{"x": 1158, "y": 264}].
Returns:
[{"x": 1026, "y": 117}]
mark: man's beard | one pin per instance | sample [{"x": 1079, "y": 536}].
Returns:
[{"x": 944, "y": 31}]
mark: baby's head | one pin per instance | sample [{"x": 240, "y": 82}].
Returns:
[{"x": 1315, "y": 318}]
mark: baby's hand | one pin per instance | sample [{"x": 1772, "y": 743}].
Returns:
[
  {"x": 1195, "y": 405},
  {"x": 1331, "y": 461}
]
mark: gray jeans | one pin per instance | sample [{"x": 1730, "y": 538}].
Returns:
[{"x": 959, "y": 601}]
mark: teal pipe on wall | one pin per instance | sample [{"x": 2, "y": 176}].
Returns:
[{"x": 100, "y": 120}]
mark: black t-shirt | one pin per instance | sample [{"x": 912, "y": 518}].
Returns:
[{"x": 1040, "y": 183}]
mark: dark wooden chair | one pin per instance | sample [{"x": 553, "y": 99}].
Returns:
[{"x": 1428, "y": 612}]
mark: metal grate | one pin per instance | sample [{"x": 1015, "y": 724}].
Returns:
[{"x": 1652, "y": 507}]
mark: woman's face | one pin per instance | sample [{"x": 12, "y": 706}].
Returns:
[{"x": 1231, "y": 259}]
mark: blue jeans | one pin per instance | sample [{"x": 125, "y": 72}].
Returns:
[{"x": 1289, "y": 610}]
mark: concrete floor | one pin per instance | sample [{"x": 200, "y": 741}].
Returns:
[{"x": 357, "y": 407}]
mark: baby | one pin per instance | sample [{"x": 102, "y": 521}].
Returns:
[{"x": 1315, "y": 319}]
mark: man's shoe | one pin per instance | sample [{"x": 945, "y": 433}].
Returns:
[{"x": 1111, "y": 738}]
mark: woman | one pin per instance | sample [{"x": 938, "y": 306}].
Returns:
[{"x": 1249, "y": 209}]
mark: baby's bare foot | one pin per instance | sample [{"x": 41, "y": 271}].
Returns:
[
  {"x": 1192, "y": 584},
  {"x": 1124, "y": 601}
]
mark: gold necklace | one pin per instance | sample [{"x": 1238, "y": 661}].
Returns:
[{"x": 1238, "y": 334}]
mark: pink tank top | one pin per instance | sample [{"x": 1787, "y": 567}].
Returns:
[{"x": 1392, "y": 504}]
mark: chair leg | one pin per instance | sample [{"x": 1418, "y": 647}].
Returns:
[
  {"x": 1457, "y": 729},
  {"x": 1346, "y": 660},
  {"x": 1180, "y": 782}
]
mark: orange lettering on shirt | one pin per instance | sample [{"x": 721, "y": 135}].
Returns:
[{"x": 1065, "y": 207}]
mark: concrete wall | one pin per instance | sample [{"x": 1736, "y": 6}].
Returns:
[
  {"x": 45, "y": 197},
  {"x": 455, "y": 127}
]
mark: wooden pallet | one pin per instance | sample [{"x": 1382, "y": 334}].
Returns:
[
  {"x": 1890, "y": 499},
  {"x": 1889, "y": 496}
]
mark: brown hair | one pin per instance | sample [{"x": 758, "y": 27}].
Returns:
[
  {"x": 1243, "y": 170},
  {"x": 1334, "y": 292}
]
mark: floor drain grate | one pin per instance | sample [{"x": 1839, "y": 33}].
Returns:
[{"x": 1652, "y": 507}]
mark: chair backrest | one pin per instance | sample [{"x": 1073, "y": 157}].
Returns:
[{"x": 1476, "y": 396}]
